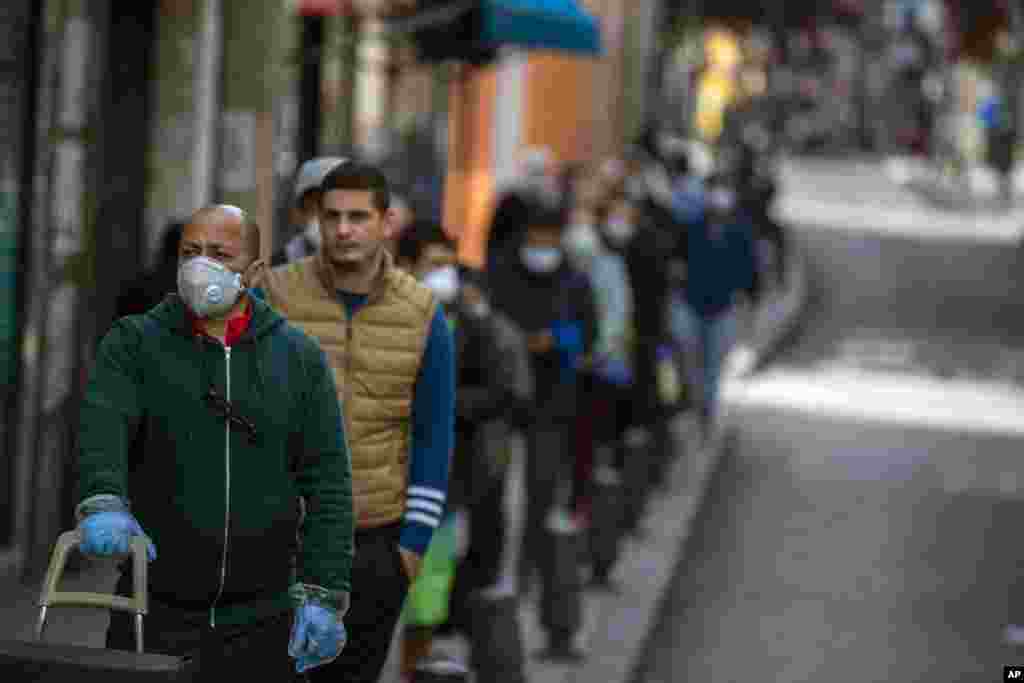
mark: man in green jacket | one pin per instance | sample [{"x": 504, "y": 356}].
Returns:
[{"x": 205, "y": 423}]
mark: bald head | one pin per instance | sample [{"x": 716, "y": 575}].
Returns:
[
  {"x": 227, "y": 223},
  {"x": 225, "y": 234}
]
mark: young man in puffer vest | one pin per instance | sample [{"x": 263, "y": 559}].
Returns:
[{"x": 391, "y": 351}]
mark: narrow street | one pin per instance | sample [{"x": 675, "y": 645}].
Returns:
[{"x": 865, "y": 525}]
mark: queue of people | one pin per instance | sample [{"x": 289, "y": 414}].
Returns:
[{"x": 298, "y": 439}]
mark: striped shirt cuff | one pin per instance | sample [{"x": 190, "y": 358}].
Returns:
[{"x": 424, "y": 509}]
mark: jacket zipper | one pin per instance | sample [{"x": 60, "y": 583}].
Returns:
[{"x": 227, "y": 488}]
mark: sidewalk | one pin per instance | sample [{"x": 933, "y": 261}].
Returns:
[{"x": 72, "y": 626}]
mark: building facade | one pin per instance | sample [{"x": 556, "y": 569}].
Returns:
[
  {"x": 583, "y": 108},
  {"x": 121, "y": 116}
]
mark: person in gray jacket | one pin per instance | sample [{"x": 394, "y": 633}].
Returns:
[
  {"x": 304, "y": 215},
  {"x": 495, "y": 395},
  {"x": 494, "y": 380}
]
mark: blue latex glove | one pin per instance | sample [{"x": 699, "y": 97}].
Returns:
[
  {"x": 318, "y": 636},
  {"x": 568, "y": 338},
  {"x": 569, "y": 345},
  {"x": 110, "y": 533}
]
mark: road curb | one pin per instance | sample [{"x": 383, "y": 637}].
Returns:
[{"x": 774, "y": 323}]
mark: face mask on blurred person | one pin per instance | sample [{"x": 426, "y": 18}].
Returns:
[
  {"x": 312, "y": 232},
  {"x": 722, "y": 200},
  {"x": 542, "y": 260},
  {"x": 208, "y": 287},
  {"x": 443, "y": 282},
  {"x": 582, "y": 240},
  {"x": 619, "y": 230}
]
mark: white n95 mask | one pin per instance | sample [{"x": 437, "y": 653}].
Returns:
[
  {"x": 582, "y": 241},
  {"x": 543, "y": 260},
  {"x": 444, "y": 283},
  {"x": 208, "y": 287}
]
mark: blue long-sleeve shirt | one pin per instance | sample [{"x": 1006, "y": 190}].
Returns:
[{"x": 433, "y": 432}]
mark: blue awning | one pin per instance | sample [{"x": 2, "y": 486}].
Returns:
[
  {"x": 540, "y": 25},
  {"x": 474, "y": 29}
]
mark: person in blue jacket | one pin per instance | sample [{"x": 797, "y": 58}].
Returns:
[{"x": 722, "y": 283}]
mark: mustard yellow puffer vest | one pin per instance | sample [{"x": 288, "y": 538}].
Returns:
[{"x": 376, "y": 357}]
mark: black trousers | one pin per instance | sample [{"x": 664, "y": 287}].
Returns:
[
  {"x": 256, "y": 651},
  {"x": 548, "y": 481},
  {"x": 615, "y": 416},
  {"x": 646, "y": 409},
  {"x": 379, "y": 587},
  {"x": 481, "y": 567}
]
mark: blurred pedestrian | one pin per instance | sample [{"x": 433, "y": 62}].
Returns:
[
  {"x": 404, "y": 218},
  {"x": 1000, "y": 138},
  {"x": 495, "y": 399},
  {"x": 756, "y": 197},
  {"x": 152, "y": 287},
  {"x": 687, "y": 186},
  {"x": 629, "y": 229},
  {"x": 554, "y": 306},
  {"x": 494, "y": 386},
  {"x": 212, "y": 416},
  {"x": 388, "y": 341},
  {"x": 607, "y": 378},
  {"x": 537, "y": 184},
  {"x": 304, "y": 215},
  {"x": 722, "y": 284}
]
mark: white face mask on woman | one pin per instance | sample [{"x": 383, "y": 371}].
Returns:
[
  {"x": 582, "y": 241},
  {"x": 208, "y": 287},
  {"x": 542, "y": 260},
  {"x": 443, "y": 282},
  {"x": 722, "y": 200}
]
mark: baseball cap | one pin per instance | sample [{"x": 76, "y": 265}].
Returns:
[{"x": 312, "y": 173}]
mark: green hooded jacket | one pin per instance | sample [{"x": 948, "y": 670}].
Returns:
[{"x": 219, "y": 500}]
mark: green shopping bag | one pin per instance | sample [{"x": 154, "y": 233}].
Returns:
[{"x": 427, "y": 603}]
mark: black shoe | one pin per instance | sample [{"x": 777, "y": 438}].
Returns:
[{"x": 561, "y": 650}]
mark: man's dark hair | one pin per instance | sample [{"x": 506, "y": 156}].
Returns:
[
  {"x": 418, "y": 236},
  {"x": 473, "y": 276},
  {"x": 543, "y": 216},
  {"x": 359, "y": 176}
]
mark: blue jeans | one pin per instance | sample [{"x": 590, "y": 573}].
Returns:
[{"x": 707, "y": 341}]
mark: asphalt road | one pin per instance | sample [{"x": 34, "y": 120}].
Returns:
[{"x": 867, "y": 523}]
